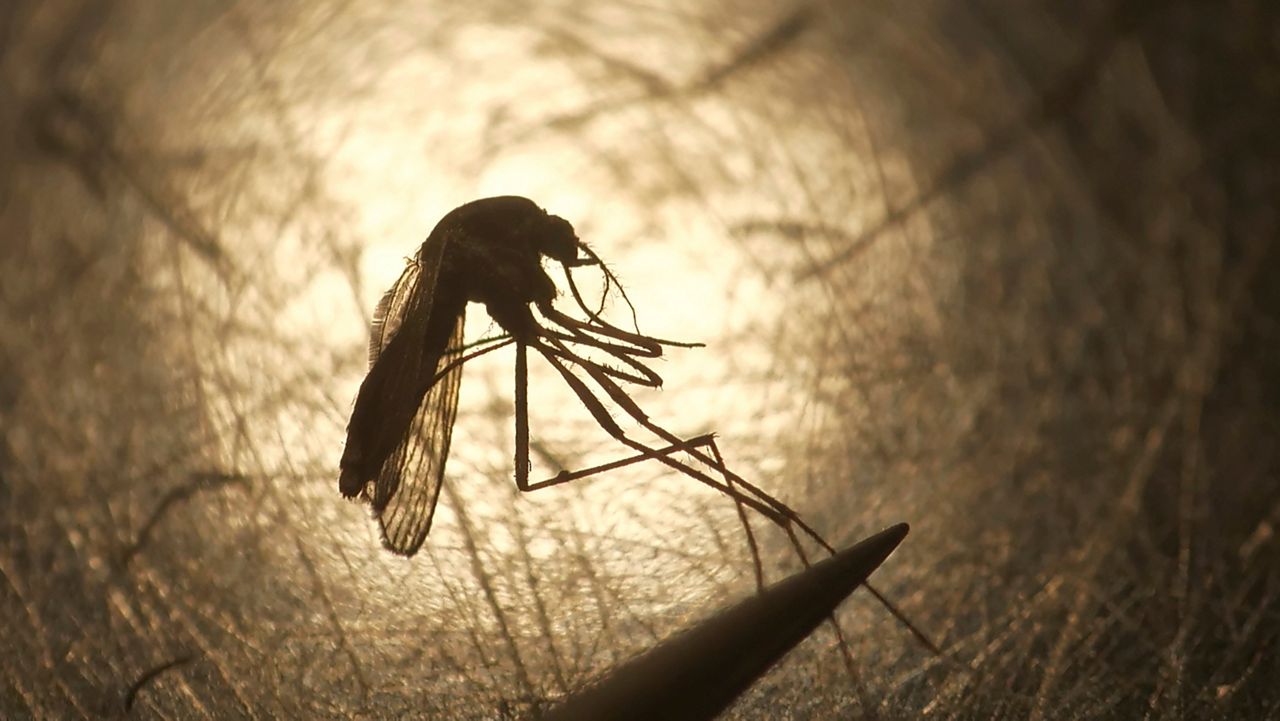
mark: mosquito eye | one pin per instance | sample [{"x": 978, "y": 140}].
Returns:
[{"x": 559, "y": 241}]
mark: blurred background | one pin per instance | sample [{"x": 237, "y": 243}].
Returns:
[{"x": 997, "y": 269}]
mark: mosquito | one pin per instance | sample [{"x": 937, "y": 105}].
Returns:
[{"x": 490, "y": 251}]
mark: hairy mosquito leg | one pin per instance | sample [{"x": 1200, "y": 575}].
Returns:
[
  {"x": 606, "y": 423},
  {"x": 566, "y": 476},
  {"x": 499, "y": 342},
  {"x": 593, "y": 404},
  {"x": 846, "y": 653},
  {"x": 522, "y": 416},
  {"x": 651, "y": 454},
  {"x": 746, "y": 523},
  {"x": 643, "y": 345},
  {"x": 522, "y": 465},
  {"x": 772, "y": 509},
  {"x": 781, "y": 514},
  {"x": 765, "y": 505},
  {"x": 881, "y": 599},
  {"x": 902, "y": 618},
  {"x": 623, "y": 401},
  {"x": 778, "y": 513}
]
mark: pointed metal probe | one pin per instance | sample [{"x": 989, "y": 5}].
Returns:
[{"x": 696, "y": 674}]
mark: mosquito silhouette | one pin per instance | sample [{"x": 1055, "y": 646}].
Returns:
[{"x": 490, "y": 251}]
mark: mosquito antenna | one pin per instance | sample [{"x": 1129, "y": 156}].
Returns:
[
  {"x": 577, "y": 294},
  {"x": 610, "y": 280},
  {"x": 597, "y": 324}
]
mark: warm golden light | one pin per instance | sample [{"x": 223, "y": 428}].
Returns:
[{"x": 1001, "y": 276}]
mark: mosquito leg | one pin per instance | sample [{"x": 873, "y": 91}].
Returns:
[
  {"x": 734, "y": 486},
  {"x": 750, "y": 495},
  {"x": 567, "y": 476},
  {"x": 777, "y": 513},
  {"x": 500, "y": 342},
  {"x": 746, "y": 523},
  {"x": 663, "y": 455},
  {"x": 651, "y": 347},
  {"x": 780, "y": 514},
  {"x": 623, "y": 401},
  {"x": 845, "y": 651},
  {"x": 522, "y": 416},
  {"x": 606, "y": 422},
  {"x": 522, "y": 466}
]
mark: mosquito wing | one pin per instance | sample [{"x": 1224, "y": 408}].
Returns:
[
  {"x": 405, "y": 493},
  {"x": 410, "y": 296},
  {"x": 398, "y": 433}
]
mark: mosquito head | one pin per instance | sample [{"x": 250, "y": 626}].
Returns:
[{"x": 556, "y": 239}]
